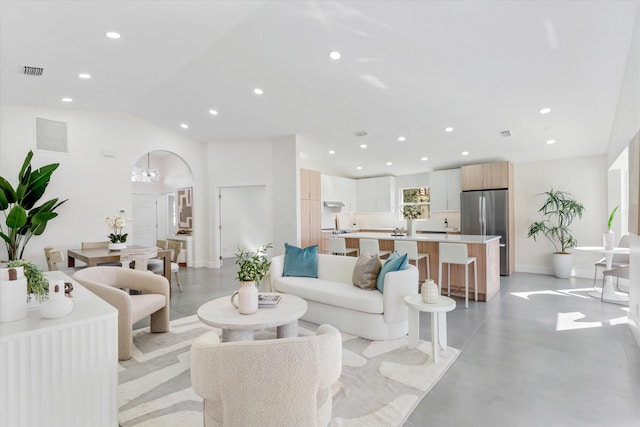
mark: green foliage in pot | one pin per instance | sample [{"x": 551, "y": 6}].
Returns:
[
  {"x": 37, "y": 284},
  {"x": 611, "y": 216},
  {"x": 22, "y": 218},
  {"x": 253, "y": 265},
  {"x": 558, "y": 211}
]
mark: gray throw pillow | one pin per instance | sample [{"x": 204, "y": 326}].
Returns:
[{"x": 366, "y": 271}]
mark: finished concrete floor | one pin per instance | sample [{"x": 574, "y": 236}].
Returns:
[{"x": 556, "y": 357}]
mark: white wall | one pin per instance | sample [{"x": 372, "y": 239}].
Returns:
[
  {"x": 586, "y": 179},
  {"x": 96, "y": 186},
  {"x": 626, "y": 125}
]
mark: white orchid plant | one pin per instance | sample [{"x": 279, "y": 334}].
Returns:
[{"x": 117, "y": 223}]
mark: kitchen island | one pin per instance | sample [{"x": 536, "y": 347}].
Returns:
[{"x": 484, "y": 248}]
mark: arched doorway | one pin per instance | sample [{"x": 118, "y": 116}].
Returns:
[{"x": 162, "y": 185}]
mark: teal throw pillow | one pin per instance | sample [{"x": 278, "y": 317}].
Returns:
[
  {"x": 395, "y": 262},
  {"x": 300, "y": 262}
]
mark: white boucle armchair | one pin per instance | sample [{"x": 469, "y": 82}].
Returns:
[
  {"x": 108, "y": 283},
  {"x": 278, "y": 382}
]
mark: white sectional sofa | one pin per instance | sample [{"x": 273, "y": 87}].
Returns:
[{"x": 333, "y": 299}]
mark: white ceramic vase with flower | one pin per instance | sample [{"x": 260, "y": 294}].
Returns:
[{"x": 118, "y": 239}]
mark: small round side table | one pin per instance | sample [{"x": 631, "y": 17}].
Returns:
[{"x": 438, "y": 321}]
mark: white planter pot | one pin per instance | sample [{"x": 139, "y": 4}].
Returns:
[
  {"x": 562, "y": 265},
  {"x": 117, "y": 246},
  {"x": 609, "y": 239},
  {"x": 13, "y": 295}
]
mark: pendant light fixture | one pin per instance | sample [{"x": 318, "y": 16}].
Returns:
[{"x": 147, "y": 174}]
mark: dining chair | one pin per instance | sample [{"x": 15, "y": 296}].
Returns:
[
  {"x": 139, "y": 257},
  {"x": 338, "y": 246},
  {"x": 53, "y": 257},
  {"x": 411, "y": 249},
  {"x": 157, "y": 265},
  {"x": 372, "y": 247},
  {"x": 456, "y": 253},
  {"x": 621, "y": 272},
  {"x": 619, "y": 260}
]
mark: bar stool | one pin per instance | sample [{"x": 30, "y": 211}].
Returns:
[
  {"x": 338, "y": 246},
  {"x": 411, "y": 249},
  {"x": 456, "y": 253},
  {"x": 372, "y": 247}
]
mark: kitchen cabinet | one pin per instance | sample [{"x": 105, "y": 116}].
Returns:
[
  {"x": 376, "y": 194},
  {"x": 339, "y": 189},
  {"x": 487, "y": 176},
  {"x": 445, "y": 187},
  {"x": 310, "y": 210}
]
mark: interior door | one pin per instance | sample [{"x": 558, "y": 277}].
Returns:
[{"x": 144, "y": 227}]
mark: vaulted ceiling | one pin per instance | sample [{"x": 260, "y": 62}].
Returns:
[{"x": 407, "y": 69}]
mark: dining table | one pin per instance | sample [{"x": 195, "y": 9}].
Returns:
[
  {"x": 608, "y": 292},
  {"x": 95, "y": 256}
]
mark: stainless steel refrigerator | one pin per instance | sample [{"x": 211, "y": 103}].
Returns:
[{"x": 486, "y": 213}]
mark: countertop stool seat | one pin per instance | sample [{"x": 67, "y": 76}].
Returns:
[
  {"x": 338, "y": 246},
  {"x": 456, "y": 253},
  {"x": 372, "y": 247},
  {"x": 411, "y": 249}
]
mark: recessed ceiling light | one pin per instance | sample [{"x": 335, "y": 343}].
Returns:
[
  {"x": 66, "y": 99},
  {"x": 388, "y": 163},
  {"x": 359, "y": 167},
  {"x": 449, "y": 129},
  {"x": 424, "y": 159},
  {"x": 84, "y": 76},
  {"x": 184, "y": 126},
  {"x": 363, "y": 145},
  {"x": 545, "y": 110},
  {"x": 113, "y": 35},
  {"x": 335, "y": 55},
  {"x": 465, "y": 153},
  {"x": 402, "y": 138},
  {"x": 213, "y": 112},
  {"x": 551, "y": 141},
  {"x": 258, "y": 91},
  {"x": 332, "y": 152}
]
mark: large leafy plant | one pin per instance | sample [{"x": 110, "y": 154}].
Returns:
[
  {"x": 253, "y": 265},
  {"x": 558, "y": 212},
  {"x": 22, "y": 218}
]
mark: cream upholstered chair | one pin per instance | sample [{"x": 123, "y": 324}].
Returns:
[
  {"x": 456, "y": 253},
  {"x": 619, "y": 260},
  {"x": 372, "y": 247},
  {"x": 108, "y": 282},
  {"x": 338, "y": 246},
  {"x": 411, "y": 249},
  {"x": 277, "y": 382}
]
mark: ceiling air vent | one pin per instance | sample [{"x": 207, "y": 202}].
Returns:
[
  {"x": 505, "y": 133},
  {"x": 32, "y": 71},
  {"x": 361, "y": 133}
]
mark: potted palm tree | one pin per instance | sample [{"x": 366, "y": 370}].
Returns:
[{"x": 558, "y": 211}]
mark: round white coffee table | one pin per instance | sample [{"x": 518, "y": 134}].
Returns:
[
  {"x": 438, "y": 321},
  {"x": 240, "y": 327}
]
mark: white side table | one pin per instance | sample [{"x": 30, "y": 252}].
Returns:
[{"x": 438, "y": 321}]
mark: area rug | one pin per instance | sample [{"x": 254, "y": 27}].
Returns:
[{"x": 381, "y": 381}]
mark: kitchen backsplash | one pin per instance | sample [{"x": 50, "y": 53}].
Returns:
[{"x": 387, "y": 220}]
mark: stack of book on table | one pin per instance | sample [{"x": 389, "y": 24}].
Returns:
[{"x": 268, "y": 300}]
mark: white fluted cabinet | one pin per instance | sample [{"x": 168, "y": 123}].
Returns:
[{"x": 61, "y": 372}]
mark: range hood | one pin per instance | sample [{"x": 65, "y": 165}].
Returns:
[{"x": 334, "y": 204}]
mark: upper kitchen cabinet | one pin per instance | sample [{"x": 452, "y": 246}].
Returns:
[
  {"x": 445, "y": 190},
  {"x": 309, "y": 184},
  {"x": 339, "y": 189},
  {"x": 377, "y": 194},
  {"x": 487, "y": 176}
]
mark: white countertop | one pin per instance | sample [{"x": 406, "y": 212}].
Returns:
[{"x": 454, "y": 238}]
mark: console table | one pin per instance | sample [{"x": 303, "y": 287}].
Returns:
[{"x": 61, "y": 372}]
